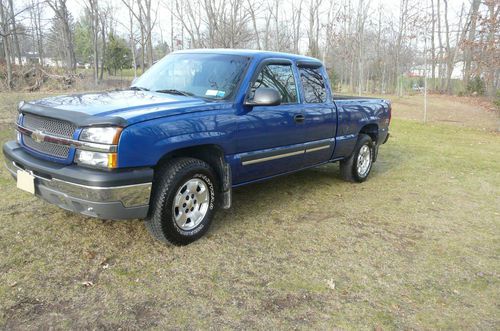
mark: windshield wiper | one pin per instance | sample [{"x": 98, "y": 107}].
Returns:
[
  {"x": 174, "y": 91},
  {"x": 138, "y": 88}
]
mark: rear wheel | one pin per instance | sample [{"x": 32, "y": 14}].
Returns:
[
  {"x": 183, "y": 201},
  {"x": 357, "y": 167}
]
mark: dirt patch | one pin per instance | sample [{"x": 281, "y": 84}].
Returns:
[{"x": 30, "y": 312}]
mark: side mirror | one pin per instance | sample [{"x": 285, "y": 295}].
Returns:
[{"x": 264, "y": 96}]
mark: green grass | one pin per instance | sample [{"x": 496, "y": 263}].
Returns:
[{"x": 414, "y": 247}]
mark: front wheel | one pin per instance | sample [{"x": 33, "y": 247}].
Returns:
[
  {"x": 183, "y": 201},
  {"x": 357, "y": 167}
]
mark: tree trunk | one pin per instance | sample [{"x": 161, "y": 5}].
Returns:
[
  {"x": 449, "y": 57},
  {"x": 93, "y": 7},
  {"x": 61, "y": 10},
  {"x": 470, "y": 41},
  {"x": 492, "y": 54},
  {"x": 37, "y": 30},
  {"x": 254, "y": 23},
  {"x": 6, "y": 45},
  {"x": 149, "y": 31},
  {"x": 14, "y": 29},
  {"x": 132, "y": 41},
  {"x": 440, "y": 38},
  {"x": 103, "y": 36},
  {"x": 266, "y": 34},
  {"x": 433, "y": 46},
  {"x": 297, "y": 12},
  {"x": 403, "y": 11}
]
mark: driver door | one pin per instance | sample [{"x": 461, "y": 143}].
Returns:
[{"x": 270, "y": 138}]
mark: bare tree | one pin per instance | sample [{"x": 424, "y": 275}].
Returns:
[
  {"x": 146, "y": 18},
  {"x": 6, "y": 32},
  {"x": 365, "y": 52},
  {"x": 403, "y": 14},
  {"x": 449, "y": 60},
  {"x": 253, "y": 16},
  {"x": 361, "y": 17},
  {"x": 471, "y": 36},
  {"x": 103, "y": 18},
  {"x": 296, "y": 25},
  {"x": 62, "y": 14},
  {"x": 433, "y": 45},
  {"x": 314, "y": 27},
  {"x": 15, "y": 32},
  {"x": 189, "y": 15},
  {"x": 36, "y": 24},
  {"x": 440, "y": 52},
  {"x": 133, "y": 42},
  {"x": 93, "y": 9},
  {"x": 492, "y": 51},
  {"x": 453, "y": 52}
]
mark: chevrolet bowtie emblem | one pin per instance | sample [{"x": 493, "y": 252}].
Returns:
[{"x": 38, "y": 136}]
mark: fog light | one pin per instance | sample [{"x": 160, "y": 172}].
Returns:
[{"x": 96, "y": 159}]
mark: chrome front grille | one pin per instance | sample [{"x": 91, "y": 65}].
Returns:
[
  {"x": 59, "y": 151},
  {"x": 48, "y": 126}
]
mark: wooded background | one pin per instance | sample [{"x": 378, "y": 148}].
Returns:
[{"x": 367, "y": 46}]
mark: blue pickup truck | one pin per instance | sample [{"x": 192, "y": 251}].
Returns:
[{"x": 194, "y": 126}]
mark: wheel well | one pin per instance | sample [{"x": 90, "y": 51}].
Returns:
[
  {"x": 371, "y": 130},
  {"x": 211, "y": 154}
]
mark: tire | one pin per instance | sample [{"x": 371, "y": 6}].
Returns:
[
  {"x": 349, "y": 169},
  {"x": 179, "y": 183}
]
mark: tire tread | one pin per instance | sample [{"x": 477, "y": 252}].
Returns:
[
  {"x": 347, "y": 166},
  {"x": 166, "y": 177}
]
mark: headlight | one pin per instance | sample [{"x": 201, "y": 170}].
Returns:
[
  {"x": 96, "y": 159},
  {"x": 103, "y": 135}
]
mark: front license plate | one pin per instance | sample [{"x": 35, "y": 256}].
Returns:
[{"x": 25, "y": 181}]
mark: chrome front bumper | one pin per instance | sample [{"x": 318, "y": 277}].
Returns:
[
  {"x": 115, "y": 202},
  {"x": 118, "y": 202}
]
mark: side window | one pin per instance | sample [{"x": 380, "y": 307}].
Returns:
[
  {"x": 279, "y": 77},
  {"x": 313, "y": 84}
]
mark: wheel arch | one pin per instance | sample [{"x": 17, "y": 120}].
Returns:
[
  {"x": 212, "y": 154},
  {"x": 371, "y": 130}
]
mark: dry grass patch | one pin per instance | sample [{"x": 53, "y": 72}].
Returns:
[
  {"x": 414, "y": 247},
  {"x": 463, "y": 111}
]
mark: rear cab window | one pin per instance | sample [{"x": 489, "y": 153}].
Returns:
[{"x": 313, "y": 84}]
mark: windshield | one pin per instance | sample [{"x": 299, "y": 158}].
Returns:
[{"x": 213, "y": 76}]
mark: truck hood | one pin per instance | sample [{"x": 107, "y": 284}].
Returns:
[{"x": 117, "y": 107}]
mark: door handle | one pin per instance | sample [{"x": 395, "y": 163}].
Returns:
[{"x": 299, "y": 118}]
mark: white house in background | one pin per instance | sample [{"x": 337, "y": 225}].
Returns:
[
  {"x": 419, "y": 71},
  {"x": 32, "y": 58}
]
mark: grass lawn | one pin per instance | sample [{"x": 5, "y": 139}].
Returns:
[{"x": 415, "y": 247}]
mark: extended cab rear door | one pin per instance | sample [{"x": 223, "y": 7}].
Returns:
[{"x": 320, "y": 113}]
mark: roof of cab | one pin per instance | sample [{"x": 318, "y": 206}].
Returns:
[{"x": 251, "y": 53}]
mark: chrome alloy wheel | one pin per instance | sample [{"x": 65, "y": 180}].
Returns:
[
  {"x": 191, "y": 203},
  {"x": 364, "y": 160}
]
